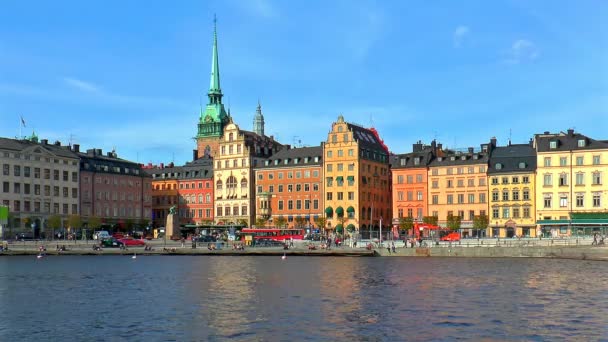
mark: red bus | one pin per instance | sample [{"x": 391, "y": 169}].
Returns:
[{"x": 276, "y": 234}]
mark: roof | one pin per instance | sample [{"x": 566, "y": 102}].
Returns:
[
  {"x": 201, "y": 168},
  {"x": 568, "y": 141},
  {"x": 408, "y": 160},
  {"x": 367, "y": 138},
  {"x": 456, "y": 159},
  {"x": 20, "y": 145},
  {"x": 512, "y": 158},
  {"x": 305, "y": 156}
]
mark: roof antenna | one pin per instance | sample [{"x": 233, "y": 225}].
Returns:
[{"x": 509, "y": 137}]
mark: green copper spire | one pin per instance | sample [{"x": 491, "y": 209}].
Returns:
[{"x": 215, "y": 91}]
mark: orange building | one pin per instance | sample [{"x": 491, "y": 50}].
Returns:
[
  {"x": 289, "y": 185},
  {"x": 164, "y": 194},
  {"x": 409, "y": 182},
  {"x": 458, "y": 185}
]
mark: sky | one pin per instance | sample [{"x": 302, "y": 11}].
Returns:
[{"x": 131, "y": 75}]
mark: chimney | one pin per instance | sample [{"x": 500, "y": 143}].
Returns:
[
  {"x": 171, "y": 164},
  {"x": 98, "y": 152},
  {"x": 194, "y": 155},
  {"x": 44, "y": 141},
  {"x": 439, "y": 147},
  {"x": 546, "y": 133},
  {"x": 57, "y": 143},
  {"x": 110, "y": 154},
  {"x": 471, "y": 150},
  {"x": 417, "y": 147},
  {"x": 162, "y": 165},
  {"x": 570, "y": 132},
  {"x": 76, "y": 148},
  {"x": 493, "y": 141}
]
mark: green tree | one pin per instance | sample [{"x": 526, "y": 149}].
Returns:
[
  {"x": 260, "y": 222},
  {"x": 300, "y": 221},
  {"x": 94, "y": 222},
  {"x": 453, "y": 222},
  {"x": 74, "y": 222},
  {"x": 430, "y": 220},
  {"x": 280, "y": 221},
  {"x": 321, "y": 222},
  {"x": 52, "y": 223},
  {"x": 406, "y": 223},
  {"x": 480, "y": 222}
]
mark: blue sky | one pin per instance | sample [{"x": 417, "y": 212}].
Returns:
[{"x": 131, "y": 74}]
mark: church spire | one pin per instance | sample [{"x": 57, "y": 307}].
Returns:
[
  {"x": 215, "y": 91},
  {"x": 258, "y": 121}
]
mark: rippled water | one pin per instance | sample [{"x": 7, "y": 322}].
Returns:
[{"x": 302, "y": 298}]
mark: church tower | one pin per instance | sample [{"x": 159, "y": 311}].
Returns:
[
  {"x": 213, "y": 119},
  {"x": 258, "y": 121}
]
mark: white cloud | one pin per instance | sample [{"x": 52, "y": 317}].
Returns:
[
  {"x": 522, "y": 50},
  {"x": 81, "y": 85},
  {"x": 460, "y": 35}
]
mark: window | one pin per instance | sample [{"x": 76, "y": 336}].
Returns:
[
  {"x": 471, "y": 169},
  {"x": 329, "y": 196},
  {"x": 6, "y": 170},
  {"x": 563, "y": 161},
  {"x": 400, "y": 195},
  {"x": 329, "y": 167},
  {"x": 461, "y": 183},
  {"x": 547, "y": 161},
  {"x": 298, "y": 187},
  {"x": 494, "y": 180},
  {"x": 515, "y": 212},
  {"x": 579, "y": 160},
  {"x": 351, "y": 152},
  {"x": 435, "y": 184},
  {"x": 498, "y": 166},
  {"x": 526, "y": 195},
  {"x": 553, "y": 144},
  {"x": 418, "y": 178},
  {"x": 515, "y": 195},
  {"x": 471, "y": 198},
  {"x": 471, "y": 182},
  {"x": 482, "y": 181},
  {"x": 410, "y": 179},
  {"x": 340, "y": 196},
  {"x": 460, "y": 170},
  {"x": 281, "y": 205},
  {"x": 505, "y": 180},
  {"x": 547, "y": 180},
  {"x": 526, "y": 212},
  {"x": 515, "y": 180},
  {"x": 435, "y": 199},
  {"x": 505, "y": 213},
  {"x": 460, "y": 198},
  {"x": 580, "y": 200},
  {"x": 260, "y": 189},
  {"x": 580, "y": 178},
  {"x": 329, "y": 181},
  {"x": 522, "y": 165},
  {"x": 17, "y": 170},
  {"x": 482, "y": 169},
  {"x": 351, "y": 195},
  {"x": 505, "y": 195},
  {"x": 596, "y": 160},
  {"x": 280, "y": 187},
  {"x": 597, "y": 178},
  {"x": 289, "y": 187},
  {"x": 329, "y": 154},
  {"x": 450, "y": 183},
  {"x": 419, "y": 195},
  {"x": 410, "y": 195},
  {"x": 563, "y": 179},
  {"x": 495, "y": 213},
  {"x": 547, "y": 201},
  {"x": 450, "y": 199},
  {"x": 597, "y": 200},
  {"x": 563, "y": 201}
]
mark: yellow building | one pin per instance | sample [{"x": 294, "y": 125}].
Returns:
[
  {"x": 357, "y": 191},
  {"x": 570, "y": 183},
  {"x": 458, "y": 187},
  {"x": 511, "y": 174}
]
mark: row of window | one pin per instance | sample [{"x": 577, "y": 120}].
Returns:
[
  {"x": 410, "y": 196},
  {"x": 514, "y": 195},
  {"x": 187, "y": 213},
  {"x": 514, "y": 180},
  {"x": 460, "y": 213},
  {"x": 508, "y": 213},
  {"x": 235, "y": 163},
  {"x": 298, "y": 204},
  {"x": 459, "y": 198},
  {"x": 350, "y": 152},
  {"x": 458, "y": 170},
  {"x": 18, "y": 155},
  {"x": 226, "y": 211},
  {"x": 409, "y": 179},
  {"x": 46, "y": 173},
  {"x": 579, "y": 161},
  {"x": 290, "y": 187},
  {"x": 41, "y": 207},
  {"x": 106, "y": 211},
  {"x": 459, "y": 183},
  {"x": 114, "y": 196},
  {"x": 410, "y": 213},
  {"x": 114, "y": 181},
  {"x": 290, "y": 174},
  {"x": 596, "y": 200},
  {"x": 191, "y": 199},
  {"x": 350, "y": 180},
  {"x": 351, "y": 196},
  {"x": 38, "y": 190},
  {"x": 596, "y": 179}
]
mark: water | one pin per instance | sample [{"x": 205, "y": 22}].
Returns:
[{"x": 301, "y": 299}]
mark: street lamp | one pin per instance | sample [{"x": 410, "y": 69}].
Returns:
[{"x": 376, "y": 177}]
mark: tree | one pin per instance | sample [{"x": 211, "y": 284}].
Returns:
[
  {"x": 430, "y": 220},
  {"x": 300, "y": 221},
  {"x": 321, "y": 222},
  {"x": 74, "y": 222},
  {"x": 94, "y": 222},
  {"x": 242, "y": 223},
  {"x": 480, "y": 222},
  {"x": 280, "y": 221},
  {"x": 453, "y": 222},
  {"x": 260, "y": 222},
  {"x": 52, "y": 223},
  {"x": 27, "y": 222},
  {"x": 406, "y": 223}
]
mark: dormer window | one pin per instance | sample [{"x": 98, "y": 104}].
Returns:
[
  {"x": 286, "y": 161},
  {"x": 440, "y": 158},
  {"x": 316, "y": 159},
  {"x": 417, "y": 161},
  {"x": 475, "y": 156},
  {"x": 276, "y": 162},
  {"x": 306, "y": 159},
  {"x": 498, "y": 166},
  {"x": 522, "y": 165},
  {"x": 453, "y": 158},
  {"x": 267, "y": 162},
  {"x": 553, "y": 144},
  {"x": 581, "y": 142},
  {"x": 403, "y": 161},
  {"x": 463, "y": 158},
  {"x": 296, "y": 160}
]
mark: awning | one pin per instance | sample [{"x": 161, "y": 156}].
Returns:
[
  {"x": 350, "y": 209},
  {"x": 350, "y": 227},
  {"x": 329, "y": 211},
  {"x": 307, "y": 217},
  {"x": 552, "y": 222},
  {"x": 339, "y": 179},
  {"x": 350, "y": 178},
  {"x": 339, "y": 228},
  {"x": 340, "y": 211},
  {"x": 290, "y": 217},
  {"x": 315, "y": 217}
]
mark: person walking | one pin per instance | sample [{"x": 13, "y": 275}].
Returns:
[
  {"x": 183, "y": 241},
  {"x": 393, "y": 247}
]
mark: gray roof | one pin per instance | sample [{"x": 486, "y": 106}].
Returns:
[
  {"x": 367, "y": 138},
  {"x": 20, "y": 145},
  {"x": 410, "y": 158},
  {"x": 201, "y": 168},
  {"x": 512, "y": 158},
  {"x": 456, "y": 159},
  {"x": 567, "y": 142},
  {"x": 287, "y": 157}
]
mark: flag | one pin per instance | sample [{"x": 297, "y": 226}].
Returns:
[{"x": 22, "y": 121}]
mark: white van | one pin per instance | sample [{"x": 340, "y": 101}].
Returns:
[{"x": 100, "y": 235}]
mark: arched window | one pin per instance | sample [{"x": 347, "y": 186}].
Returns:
[
  {"x": 244, "y": 183},
  {"x": 200, "y": 199},
  {"x": 231, "y": 182},
  {"x": 231, "y": 137},
  {"x": 218, "y": 184}
]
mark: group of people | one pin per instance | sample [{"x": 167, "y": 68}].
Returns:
[
  {"x": 412, "y": 242},
  {"x": 61, "y": 248},
  {"x": 597, "y": 239},
  {"x": 238, "y": 247},
  {"x": 148, "y": 247}
]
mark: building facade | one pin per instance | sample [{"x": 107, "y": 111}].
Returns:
[
  {"x": 240, "y": 152},
  {"x": 357, "y": 180},
  {"x": 289, "y": 185},
  {"x": 458, "y": 186},
  {"x": 114, "y": 190},
  {"x": 39, "y": 180},
  {"x": 570, "y": 181},
  {"x": 512, "y": 191}
]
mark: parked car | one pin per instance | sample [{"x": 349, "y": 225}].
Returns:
[
  {"x": 132, "y": 242},
  {"x": 118, "y": 235},
  {"x": 111, "y": 242},
  {"x": 451, "y": 237},
  {"x": 102, "y": 234},
  {"x": 24, "y": 236}
]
